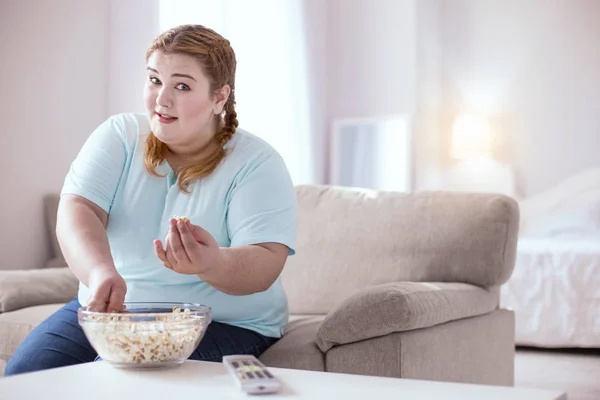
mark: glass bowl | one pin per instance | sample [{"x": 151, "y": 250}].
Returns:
[{"x": 146, "y": 334}]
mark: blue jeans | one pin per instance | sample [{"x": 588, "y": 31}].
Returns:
[{"x": 59, "y": 341}]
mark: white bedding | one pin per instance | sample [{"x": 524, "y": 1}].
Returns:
[{"x": 555, "y": 292}]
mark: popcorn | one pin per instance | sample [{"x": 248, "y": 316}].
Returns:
[{"x": 164, "y": 338}]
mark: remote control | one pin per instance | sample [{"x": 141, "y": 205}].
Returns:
[{"x": 251, "y": 376}]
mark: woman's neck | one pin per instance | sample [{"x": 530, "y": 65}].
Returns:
[{"x": 189, "y": 155}]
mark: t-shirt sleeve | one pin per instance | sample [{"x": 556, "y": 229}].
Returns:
[
  {"x": 262, "y": 205},
  {"x": 96, "y": 171}
]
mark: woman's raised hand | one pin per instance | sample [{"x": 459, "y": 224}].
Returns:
[{"x": 189, "y": 249}]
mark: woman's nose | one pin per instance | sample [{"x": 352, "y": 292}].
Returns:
[{"x": 164, "y": 99}]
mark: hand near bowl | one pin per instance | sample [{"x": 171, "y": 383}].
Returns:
[
  {"x": 189, "y": 249},
  {"x": 107, "y": 290}
]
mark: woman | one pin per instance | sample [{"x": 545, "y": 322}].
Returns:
[{"x": 135, "y": 173}]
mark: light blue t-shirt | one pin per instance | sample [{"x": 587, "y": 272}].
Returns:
[{"x": 248, "y": 199}]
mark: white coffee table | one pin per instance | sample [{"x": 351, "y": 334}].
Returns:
[{"x": 204, "y": 380}]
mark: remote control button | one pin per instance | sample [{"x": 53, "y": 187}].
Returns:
[
  {"x": 236, "y": 364},
  {"x": 259, "y": 374},
  {"x": 267, "y": 373},
  {"x": 250, "y": 375}
]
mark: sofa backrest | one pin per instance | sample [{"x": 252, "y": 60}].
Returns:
[{"x": 349, "y": 239}]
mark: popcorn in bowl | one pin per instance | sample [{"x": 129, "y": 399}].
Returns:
[{"x": 146, "y": 334}]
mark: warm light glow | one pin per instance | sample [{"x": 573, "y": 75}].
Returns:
[{"x": 471, "y": 138}]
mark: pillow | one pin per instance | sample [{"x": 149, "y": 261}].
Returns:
[
  {"x": 581, "y": 187},
  {"x": 581, "y": 219},
  {"x": 27, "y": 288}
]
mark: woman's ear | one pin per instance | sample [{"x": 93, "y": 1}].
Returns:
[{"x": 221, "y": 98}]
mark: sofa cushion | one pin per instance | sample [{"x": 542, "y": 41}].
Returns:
[
  {"x": 402, "y": 306},
  {"x": 349, "y": 239},
  {"x": 16, "y": 325},
  {"x": 26, "y": 288},
  {"x": 297, "y": 348}
]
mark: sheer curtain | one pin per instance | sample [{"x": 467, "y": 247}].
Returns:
[{"x": 272, "y": 85}]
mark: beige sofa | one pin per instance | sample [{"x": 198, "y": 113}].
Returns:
[{"x": 388, "y": 284}]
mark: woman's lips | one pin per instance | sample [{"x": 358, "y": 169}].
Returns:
[{"x": 165, "y": 119}]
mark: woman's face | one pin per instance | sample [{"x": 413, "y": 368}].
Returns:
[{"x": 179, "y": 103}]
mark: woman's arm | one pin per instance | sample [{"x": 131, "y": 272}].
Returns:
[
  {"x": 247, "y": 269},
  {"x": 81, "y": 233},
  {"x": 238, "y": 271},
  {"x": 86, "y": 198}
]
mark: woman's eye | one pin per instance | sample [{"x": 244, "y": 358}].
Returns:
[
  {"x": 182, "y": 86},
  {"x": 154, "y": 80}
]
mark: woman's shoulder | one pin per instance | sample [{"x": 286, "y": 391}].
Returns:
[
  {"x": 128, "y": 128},
  {"x": 248, "y": 153},
  {"x": 247, "y": 146},
  {"x": 130, "y": 124}
]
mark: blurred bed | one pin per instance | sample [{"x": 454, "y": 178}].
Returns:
[{"x": 555, "y": 287}]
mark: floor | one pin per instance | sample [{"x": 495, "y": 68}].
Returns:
[{"x": 575, "y": 371}]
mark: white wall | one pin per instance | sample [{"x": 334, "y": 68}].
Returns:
[
  {"x": 428, "y": 96},
  {"x": 534, "y": 66},
  {"x": 53, "y": 81},
  {"x": 316, "y": 21},
  {"x": 371, "y": 59},
  {"x": 132, "y": 25}
]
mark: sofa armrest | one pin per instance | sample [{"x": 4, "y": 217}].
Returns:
[
  {"x": 402, "y": 306},
  {"x": 26, "y": 288}
]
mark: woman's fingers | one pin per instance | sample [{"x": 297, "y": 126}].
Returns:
[
  {"x": 169, "y": 250},
  {"x": 177, "y": 249},
  {"x": 162, "y": 254},
  {"x": 96, "y": 305},
  {"x": 116, "y": 300},
  {"x": 181, "y": 245},
  {"x": 99, "y": 300},
  {"x": 201, "y": 235},
  {"x": 188, "y": 241}
]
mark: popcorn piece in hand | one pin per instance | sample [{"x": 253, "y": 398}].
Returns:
[{"x": 181, "y": 218}]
